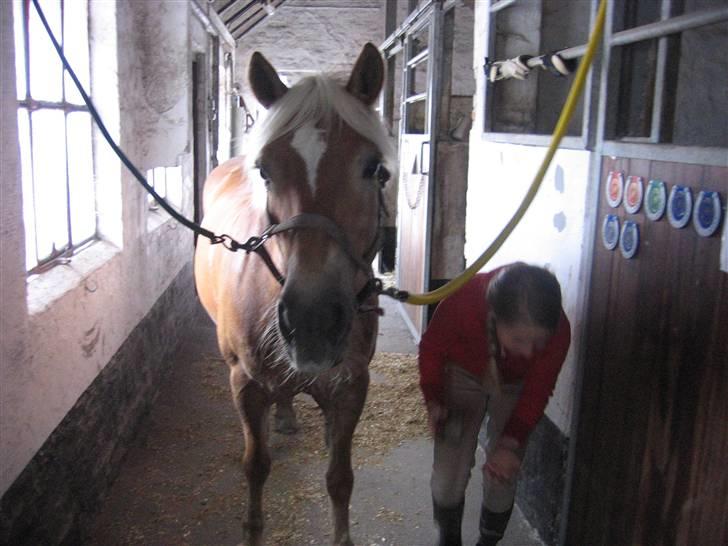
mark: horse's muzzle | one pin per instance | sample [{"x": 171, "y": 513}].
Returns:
[{"x": 315, "y": 330}]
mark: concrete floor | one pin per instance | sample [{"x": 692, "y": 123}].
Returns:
[{"x": 181, "y": 483}]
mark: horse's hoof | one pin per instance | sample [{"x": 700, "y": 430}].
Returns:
[{"x": 253, "y": 534}]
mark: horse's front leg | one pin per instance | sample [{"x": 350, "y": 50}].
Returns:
[
  {"x": 253, "y": 405},
  {"x": 342, "y": 411}
]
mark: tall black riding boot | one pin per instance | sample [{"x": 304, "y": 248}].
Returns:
[
  {"x": 492, "y": 526},
  {"x": 449, "y": 521}
]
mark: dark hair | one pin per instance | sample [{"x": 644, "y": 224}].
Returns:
[{"x": 525, "y": 293}]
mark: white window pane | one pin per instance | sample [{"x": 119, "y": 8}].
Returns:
[
  {"x": 160, "y": 181},
  {"x": 80, "y": 177},
  {"x": 27, "y": 177},
  {"x": 45, "y": 67},
  {"x": 174, "y": 186},
  {"x": 49, "y": 176},
  {"x": 150, "y": 180},
  {"x": 19, "y": 48},
  {"x": 75, "y": 46}
]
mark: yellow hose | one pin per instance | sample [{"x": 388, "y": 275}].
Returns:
[{"x": 561, "y": 126}]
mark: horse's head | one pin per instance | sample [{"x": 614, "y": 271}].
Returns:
[{"x": 322, "y": 155}]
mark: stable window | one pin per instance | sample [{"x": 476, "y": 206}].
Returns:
[
  {"x": 533, "y": 27},
  {"x": 55, "y": 133},
  {"x": 667, "y": 75}
]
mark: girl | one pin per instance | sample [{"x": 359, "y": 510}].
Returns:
[{"x": 493, "y": 349}]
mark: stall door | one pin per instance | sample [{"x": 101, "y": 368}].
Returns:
[
  {"x": 421, "y": 47},
  {"x": 652, "y": 443}
]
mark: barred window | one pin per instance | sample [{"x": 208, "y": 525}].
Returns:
[
  {"x": 532, "y": 106},
  {"x": 54, "y": 128},
  {"x": 667, "y": 79}
]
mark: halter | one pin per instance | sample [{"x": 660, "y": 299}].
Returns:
[{"x": 308, "y": 220}]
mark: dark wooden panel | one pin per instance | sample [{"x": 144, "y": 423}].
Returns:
[{"x": 652, "y": 443}]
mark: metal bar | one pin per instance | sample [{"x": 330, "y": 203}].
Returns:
[
  {"x": 501, "y": 4},
  {"x": 212, "y": 23},
  {"x": 694, "y": 155},
  {"x": 591, "y": 94},
  {"x": 26, "y": 46},
  {"x": 69, "y": 213},
  {"x": 406, "y": 24},
  {"x": 393, "y": 50},
  {"x": 530, "y": 139},
  {"x": 33, "y": 105},
  {"x": 233, "y": 24},
  {"x": 417, "y": 59},
  {"x": 225, "y": 11},
  {"x": 237, "y": 32},
  {"x": 658, "y": 94},
  {"x": 656, "y": 30},
  {"x": 487, "y": 89},
  {"x": 416, "y": 98},
  {"x": 575, "y": 52},
  {"x": 434, "y": 91},
  {"x": 255, "y": 23},
  {"x": 447, "y": 5},
  {"x": 671, "y": 26},
  {"x": 607, "y": 100}
]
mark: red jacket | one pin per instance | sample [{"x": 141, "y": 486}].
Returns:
[{"x": 458, "y": 334}]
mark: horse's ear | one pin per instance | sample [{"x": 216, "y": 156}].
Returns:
[
  {"x": 367, "y": 77},
  {"x": 267, "y": 86}
]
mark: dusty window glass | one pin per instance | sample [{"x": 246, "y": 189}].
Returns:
[
  {"x": 669, "y": 88},
  {"x": 54, "y": 131},
  {"x": 533, "y": 105}
]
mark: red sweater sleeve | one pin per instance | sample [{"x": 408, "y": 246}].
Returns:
[
  {"x": 441, "y": 333},
  {"x": 539, "y": 383}
]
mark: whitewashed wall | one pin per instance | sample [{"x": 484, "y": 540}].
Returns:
[
  {"x": 553, "y": 231},
  {"x": 61, "y": 328},
  {"x": 305, "y": 36}
]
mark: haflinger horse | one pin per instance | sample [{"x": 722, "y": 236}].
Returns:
[{"x": 302, "y": 315}]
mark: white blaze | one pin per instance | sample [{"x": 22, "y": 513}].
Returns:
[{"x": 309, "y": 143}]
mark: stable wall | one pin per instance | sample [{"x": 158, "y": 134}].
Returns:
[
  {"x": 551, "y": 233},
  {"x": 307, "y": 36},
  {"x": 91, "y": 339}
]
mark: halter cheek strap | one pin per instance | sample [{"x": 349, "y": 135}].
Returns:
[
  {"x": 314, "y": 221},
  {"x": 308, "y": 220}
]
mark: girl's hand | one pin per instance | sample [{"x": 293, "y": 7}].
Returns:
[{"x": 504, "y": 463}]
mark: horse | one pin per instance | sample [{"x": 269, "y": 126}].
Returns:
[{"x": 302, "y": 315}]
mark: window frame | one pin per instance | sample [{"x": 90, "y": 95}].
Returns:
[
  {"x": 599, "y": 102},
  {"x": 665, "y": 30},
  {"x": 533, "y": 139},
  {"x": 31, "y": 105}
]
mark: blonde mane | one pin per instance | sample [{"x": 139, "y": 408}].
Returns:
[{"x": 322, "y": 100}]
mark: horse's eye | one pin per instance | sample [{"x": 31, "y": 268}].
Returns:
[
  {"x": 264, "y": 174},
  {"x": 375, "y": 169},
  {"x": 382, "y": 175},
  {"x": 370, "y": 170}
]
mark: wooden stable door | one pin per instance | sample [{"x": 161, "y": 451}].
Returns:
[
  {"x": 421, "y": 54},
  {"x": 651, "y": 464}
]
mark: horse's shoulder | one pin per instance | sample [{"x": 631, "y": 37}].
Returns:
[{"x": 224, "y": 179}]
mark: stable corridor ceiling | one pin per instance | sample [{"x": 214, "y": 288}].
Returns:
[{"x": 241, "y": 16}]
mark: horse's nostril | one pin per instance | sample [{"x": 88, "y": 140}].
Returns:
[{"x": 283, "y": 322}]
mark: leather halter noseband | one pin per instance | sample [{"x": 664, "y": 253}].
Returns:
[{"x": 314, "y": 221}]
